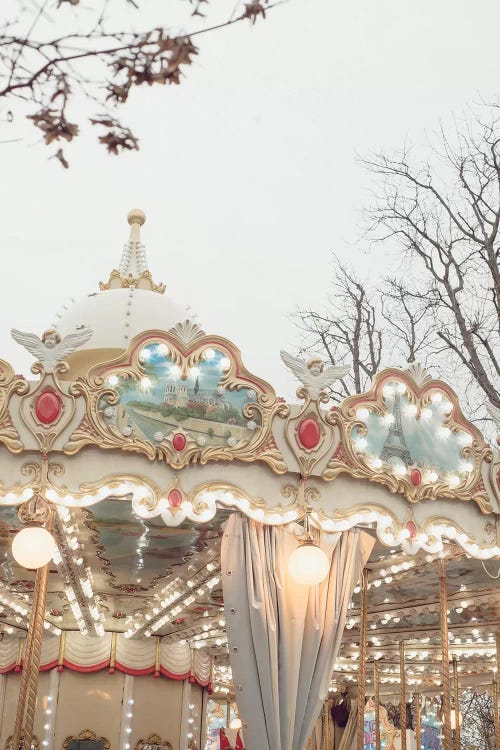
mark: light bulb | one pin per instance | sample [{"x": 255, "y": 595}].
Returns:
[
  {"x": 235, "y": 724},
  {"x": 308, "y": 564},
  {"x": 33, "y": 547}
]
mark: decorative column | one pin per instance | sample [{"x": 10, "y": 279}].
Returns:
[
  {"x": 35, "y": 512},
  {"x": 185, "y": 712},
  {"x": 51, "y": 709},
  {"x": 326, "y": 725},
  {"x": 445, "y": 657},
  {"x": 456, "y": 699},
  {"x": 402, "y": 693},
  {"x": 362, "y": 662},
  {"x": 127, "y": 712},
  {"x": 418, "y": 722},
  {"x": 376, "y": 686}
]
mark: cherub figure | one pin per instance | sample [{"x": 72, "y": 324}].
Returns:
[
  {"x": 313, "y": 374},
  {"x": 51, "y": 348}
]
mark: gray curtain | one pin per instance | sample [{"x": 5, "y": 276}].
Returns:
[{"x": 283, "y": 637}]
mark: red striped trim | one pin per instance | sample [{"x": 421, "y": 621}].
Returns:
[
  {"x": 103, "y": 665},
  {"x": 10, "y": 668},
  {"x": 91, "y": 668}
]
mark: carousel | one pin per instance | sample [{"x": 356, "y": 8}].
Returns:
[{"x": 190, "y": 562}]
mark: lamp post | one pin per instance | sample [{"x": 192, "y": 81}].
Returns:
[{"x": 35, "y": 547}]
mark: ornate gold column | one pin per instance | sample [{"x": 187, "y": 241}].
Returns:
[
  {"x": 418, "y": 722},
  {"x": 457, "y": 703},
  {"x": 34, "y": 512},
  {"x": 445, "y": 657},
  {"x": 376, "y": 683},
  {"x": 402, "y": 693},
  {"x": 326, "y": 725},
  {"x": 360, "y": 738}
]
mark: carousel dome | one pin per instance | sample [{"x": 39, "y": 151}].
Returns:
[{"x": 126, "y": 305}]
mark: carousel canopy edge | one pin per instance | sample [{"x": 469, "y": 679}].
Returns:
[{"x": 127, "y": 379}]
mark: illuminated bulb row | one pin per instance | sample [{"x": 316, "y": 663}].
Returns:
[
  {"x": 84, "y": 577},
  {"x": 127, "y": 723},
  {"x": 191, "y": 721},
  {"x": 15, "y": 497},
  {"x": 173, "y": 594},
  {"x": 180, "y": 606}
]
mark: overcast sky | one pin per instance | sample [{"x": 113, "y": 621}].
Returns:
[{"x": 247, "y": 171}]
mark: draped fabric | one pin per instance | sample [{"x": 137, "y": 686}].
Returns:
[
  {"x": 283, "y": 636},
  {"x": 133, "y": 656}
]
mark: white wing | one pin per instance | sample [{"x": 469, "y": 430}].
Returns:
[
  {"x": 296, "y": 365},
  {"x": 69, "y": 343},
  {"x": 331, "y": 374},
  {"x": 31, "y": 342},
  {"x": 494, "y": 413}
]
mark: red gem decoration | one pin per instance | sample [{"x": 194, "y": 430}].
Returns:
[
  {"x": 416, "y": 477},
  {"x": 179, "y": 441},
  {"x": 309, "y": 433},
  {"x": 412, "y": 528},
  {"x": 48, "y": 407},
  {"x": 175, "y": 498}
]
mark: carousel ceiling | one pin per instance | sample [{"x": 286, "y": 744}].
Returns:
[{"x": 143, "y": 433}]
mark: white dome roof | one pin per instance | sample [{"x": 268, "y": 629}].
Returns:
[
  {"x": 117, "y": 315},
  {"x": 128, "y": 304}
]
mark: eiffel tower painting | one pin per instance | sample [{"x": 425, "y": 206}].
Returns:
[{"x": 395, "y": 442}]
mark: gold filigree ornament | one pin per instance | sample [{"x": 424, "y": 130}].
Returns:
[
  {"x": 157, "y": 387},
  {"x": 90, "y": 736},
  {"x": 413, "y": 438},
  {"x": 10, "y": 384},
  {"x": 153, "y": 742},
  {"x": 46, "y": 428},
  {"x": 308, "y": 434}
]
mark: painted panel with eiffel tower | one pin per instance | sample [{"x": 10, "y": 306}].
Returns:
[{"x": 409, "y": 433}]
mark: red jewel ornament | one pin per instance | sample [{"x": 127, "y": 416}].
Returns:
[
  {"x": 309, "y": 433},
  {"x": 48, "y": 407},
  {"x": 416, "y": 477},
  {"x": 175, "y": 498},
  {"x": 179, "y": 441},
  {"x": 412, "y": 528}
]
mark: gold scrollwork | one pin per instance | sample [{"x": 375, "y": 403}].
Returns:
[
  {"x": 95, "y": 389},
  {"x": 347, "y": 459},
  {"x": 89, "y": 735},
  {"x": 10, "y": 384},
  {"x": 153, "y": 742}
]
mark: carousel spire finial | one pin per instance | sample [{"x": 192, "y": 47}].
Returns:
[{"x": 133, "y": 269}]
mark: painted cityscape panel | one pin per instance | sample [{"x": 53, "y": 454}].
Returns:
[{"x": 161, "y": 401}]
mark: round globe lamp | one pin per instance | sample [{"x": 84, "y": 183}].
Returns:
[
  {"x": 33, "y": 547},
  {"x": 308, "y": 564}
]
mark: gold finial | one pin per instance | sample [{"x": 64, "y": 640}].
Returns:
[
  {"x": 136, "y": 216},
  {"x": 133, "y": 270}
]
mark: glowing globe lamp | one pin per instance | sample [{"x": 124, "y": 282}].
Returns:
[
  {"x": 308, "y": 564},
  {"x": 33, "y": 547}
]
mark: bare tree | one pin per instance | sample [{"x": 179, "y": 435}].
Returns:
[
  {"x": 478, "y": 726},
  {"x": 442, "y": 307},
  {"x": 56, "y": 53}
]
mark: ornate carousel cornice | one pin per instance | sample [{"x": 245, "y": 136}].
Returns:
[{"x": 178, "y": 426}]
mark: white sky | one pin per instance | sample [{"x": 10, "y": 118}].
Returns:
[{"x": 247, "y": 171}]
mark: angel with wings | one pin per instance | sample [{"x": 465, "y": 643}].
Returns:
[
  {"x": 313, "y": 374},
  {"x": 51, "y": 349}
]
